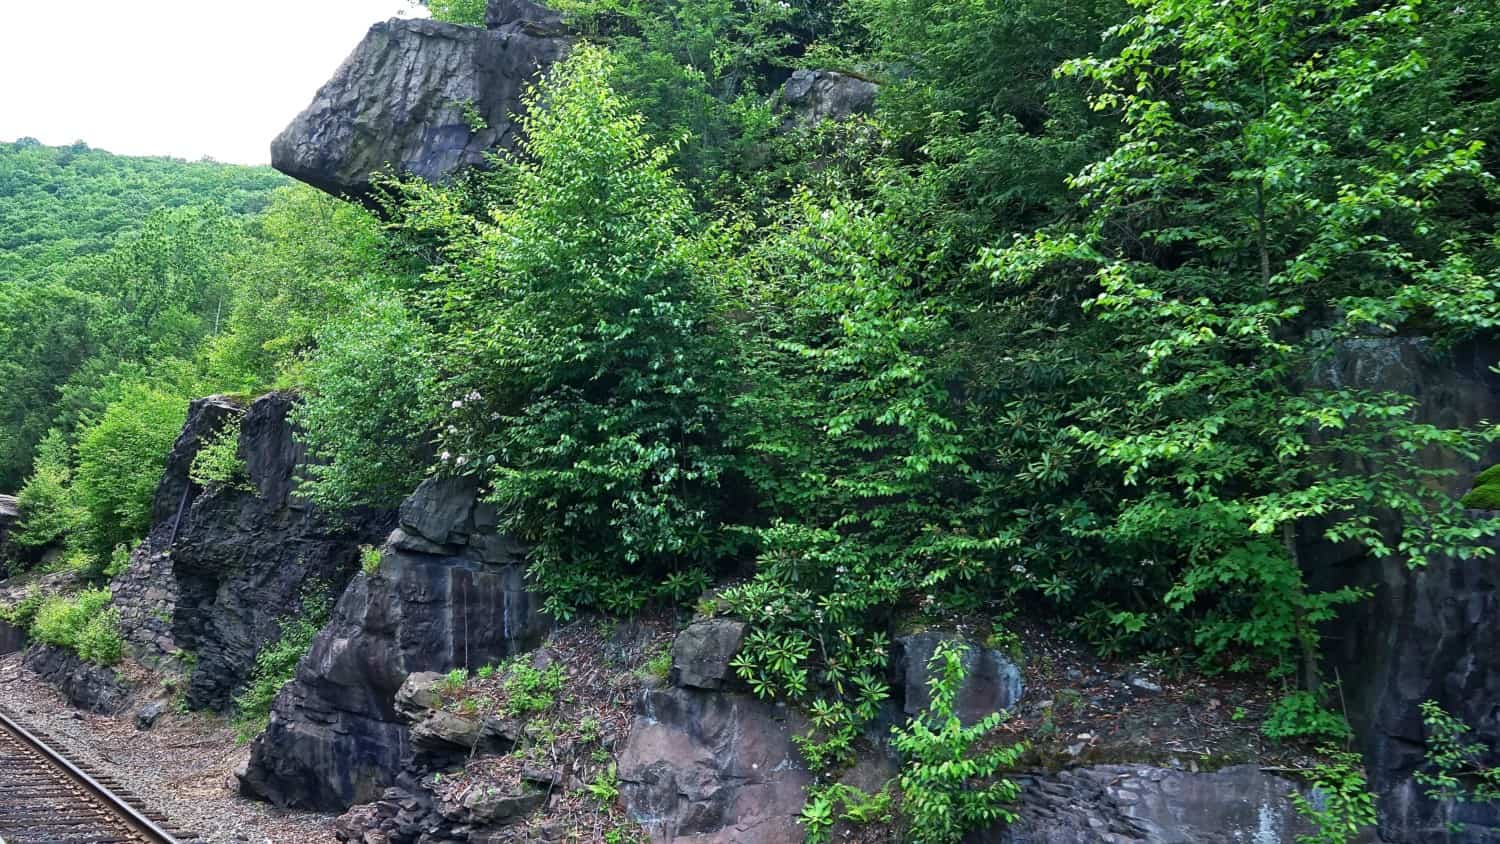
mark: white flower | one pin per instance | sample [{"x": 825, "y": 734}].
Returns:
[
  {"x": 461, "y": 460},
  {"x": 457, "y": 403},
  {"x": 447, "y": 455},
  {"x": 473, "y": 396}
]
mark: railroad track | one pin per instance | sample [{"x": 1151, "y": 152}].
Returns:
[{"x": 46, "y": 799}]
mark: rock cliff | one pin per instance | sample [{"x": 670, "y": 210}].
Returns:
[
  {"x": 449, "y": 593},
  {"x": 221, "y": 569}
]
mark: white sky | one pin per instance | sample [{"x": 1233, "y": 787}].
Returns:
[{"x": 186, "y": 78}]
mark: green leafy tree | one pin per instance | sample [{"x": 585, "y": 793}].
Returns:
[
  {"x": 1263, "y": 203},
  {"x": 120, "y": 463},
  {"x": 52, "y": 516},
  {"x": 584, "y": 376},
  {"x": 951, "y": 778}
]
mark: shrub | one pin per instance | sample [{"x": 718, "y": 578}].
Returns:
[
  {"x": 99, "y": 641},
  {"x": 1342, "y": 805},
  {"x": 1455, "y": 769},
  {"x": 369, "y": 410},
  {"x": 120, "y": 463},
  {"x": 82, "y": 624},
  {"x": 218, "y": 466},
  {"x": 1301, "y": 715},
  {"x": 23, "y": 612},
  {"x": 51, "y": 512},
  {"x": 369, "y": 560},
  {"x": 277, "y": 664},
  {"x": 950, "y": 782},
  {"x": 529, "y": 689},
  {"x": 466, "y": 12},
  {"x": 587, "y": 385}
]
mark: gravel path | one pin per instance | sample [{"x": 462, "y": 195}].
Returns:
[{"x": 184, "y": 766}]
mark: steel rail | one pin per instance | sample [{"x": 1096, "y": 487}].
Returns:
[{"x": 128, "y": 814}]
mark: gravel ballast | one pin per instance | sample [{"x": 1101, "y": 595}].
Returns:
[{"x": 183, "y": 767}]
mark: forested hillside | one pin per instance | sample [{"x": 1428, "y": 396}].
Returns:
[
  {"x": 57, "y": 203},
  {"x": 1045, "y": 333}
]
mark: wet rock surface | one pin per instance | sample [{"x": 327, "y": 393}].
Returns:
[
  {"x": 10, "y": 518},
  {"x": 336, "y": 737},
  {"x": 406, "y": 98},
  {"x": 12, "y": 638}
]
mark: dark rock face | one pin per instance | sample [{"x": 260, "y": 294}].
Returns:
[
  {"x": 1131, "y": 804},
  {"x": 704, "y": 767},
  {"x": 701, "y": 653},
  {"x": 234, "y": 563},
  {"x": 992, "y": 683},
  {"x": 12, "y": 638},
  {"x": 1429, "y": 633},
  {"x": 812, "y": 96},
  {"x": 10, "y": 516},
  {"x": 449, "y": 594},
  {"x": 86, "y": 685},
  {"x": 524, "y": 14},
  {"x": 399, "y": 101}
]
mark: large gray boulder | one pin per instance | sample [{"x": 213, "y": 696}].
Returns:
[
  {"x": 702, "y": 653},
  {"x": 709, "y": 767},
  {"x": 810, "y": 97},
  {"x": 449, "y": 593},
  {"x": 405, "y": 99}
]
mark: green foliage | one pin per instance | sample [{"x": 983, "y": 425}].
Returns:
[
  {"x": 63, "y": 202},
  {"x": 454, "y": 680},
  {"x": 466, "y": 12},
  {"x": 1455, "y": 768},
  {"x": 99, "y": 641},
  {"x": 1301, "y": 715},
  {"x": 52, "y": 515},
  {"x": 276, "y": 664},
  {"x": 370, "y": 410},
  {"x": 605, "y": 788},
  {"x": 584, "y": 380},
  {"x": 120, "y": 463},
  {"x": 218, "y": 466},
  {"x": 1341, "y": 807},
  {"x": 1486, "y": 492},
  {"x": 529, "y": 689},
  {"x": 83, "y": 623},
  {"x": 951, "y": 782},
  {"x": 834, "y": 802},
  {"x": 1263, "y": 204},
  {"x": 305, "y": 264},
  {"x": 23, "y": 612},
  {"x": 659, "y": 666},
  {"x": 369, "y": 560}
]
